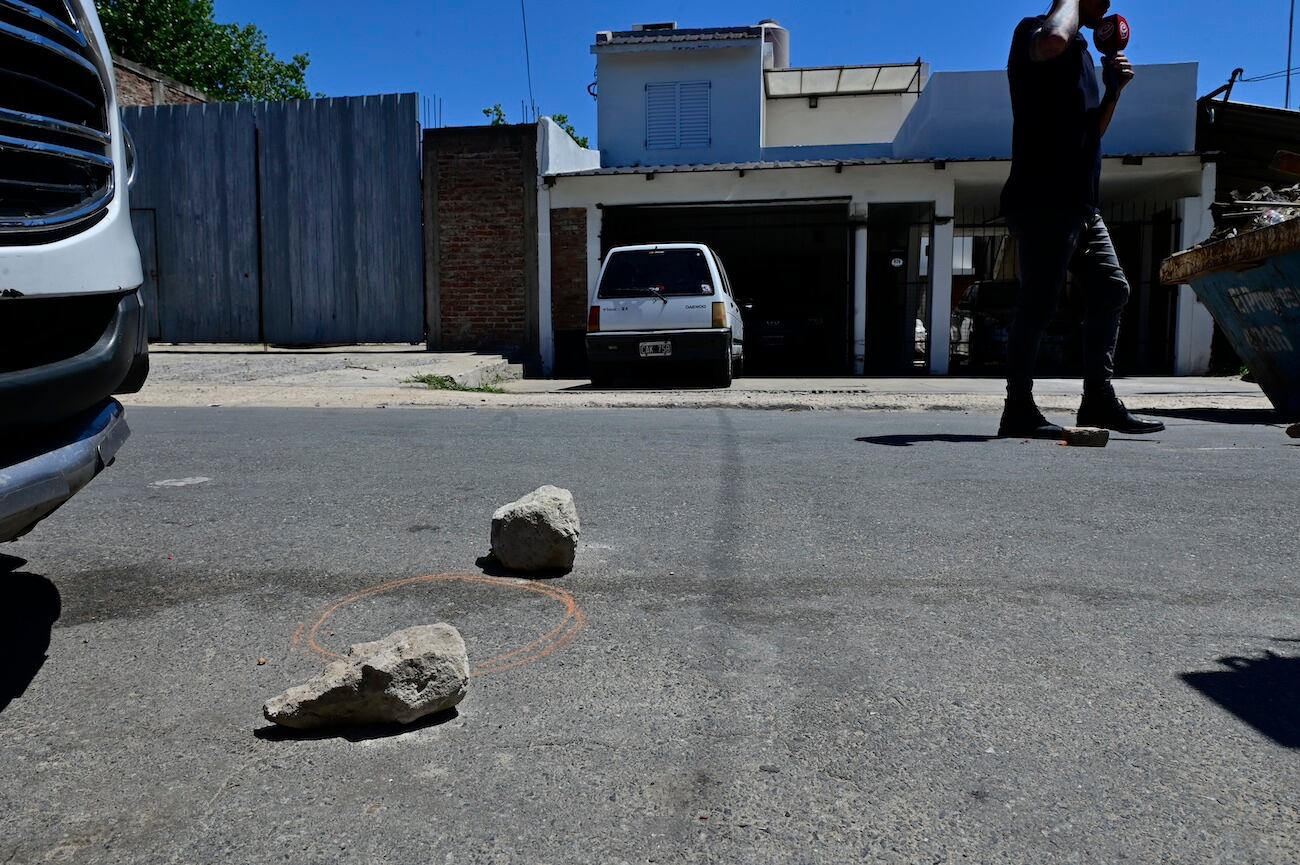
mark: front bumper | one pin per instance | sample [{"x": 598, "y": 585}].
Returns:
[
  {"x": 688, "y": 346},
  {"x": 115, "y": 363},
  {"x": 40, "y": 474}
]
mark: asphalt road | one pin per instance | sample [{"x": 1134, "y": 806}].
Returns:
[{"x": 799, "y": 646}]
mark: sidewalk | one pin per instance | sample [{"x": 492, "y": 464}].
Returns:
[
  {"x": 200, "y": 375},
  {"x": 370, "y": 376}
]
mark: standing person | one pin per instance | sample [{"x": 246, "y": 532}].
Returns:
[{"x": 1051, "y": 203}]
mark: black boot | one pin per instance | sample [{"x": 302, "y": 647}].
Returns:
[
  {"x": 1021, "y": 419},
  {"x": 1101, "y": 408}
]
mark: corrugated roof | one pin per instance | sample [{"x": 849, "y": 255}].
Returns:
[
  {"x": 730, "y": 166},
  {"x": 650, "y": 37},
  {"x": 814, "y": 163}
]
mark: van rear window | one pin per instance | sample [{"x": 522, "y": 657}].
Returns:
[{"x": 656, "y": 271}]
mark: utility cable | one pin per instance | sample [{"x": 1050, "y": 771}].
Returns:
[{"x": 1272, "y": 76}]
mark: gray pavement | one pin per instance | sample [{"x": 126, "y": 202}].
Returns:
[{"x": 809, "y": 637}]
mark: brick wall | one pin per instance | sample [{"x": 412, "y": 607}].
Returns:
[
  {"x": 569, "y": 290},
  {"x": 139, "y": 85},
  {"x": 132, "y": 88},
  {"x": 485, "y": 252},
  {"x": 569, "y": 268}
]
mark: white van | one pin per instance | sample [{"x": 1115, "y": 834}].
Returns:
[
  {"x": 661, "y": 305},
  {"x": 72, "y": 327}
]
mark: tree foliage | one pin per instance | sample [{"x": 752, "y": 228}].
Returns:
[
  {"x": 563, "y": 121},
  {"x": 496, "y": 116},
  {"x": 179, "y": 38}
]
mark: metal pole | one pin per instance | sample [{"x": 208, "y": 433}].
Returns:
[{"x": 1290, "y": 42}]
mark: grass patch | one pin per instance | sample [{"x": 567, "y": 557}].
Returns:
[{"x": 446, "y": 382}]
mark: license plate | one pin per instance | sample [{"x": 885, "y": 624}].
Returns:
[{"x": 656, "y": 349}]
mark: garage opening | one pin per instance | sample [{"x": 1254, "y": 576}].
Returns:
[
  {"x": 898, "y": 289},
  {"x": 789, "y": 265},
  {"x": 986, "y": 283}
]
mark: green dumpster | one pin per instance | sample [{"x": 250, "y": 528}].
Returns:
[{"x": 1251, "y": 285}]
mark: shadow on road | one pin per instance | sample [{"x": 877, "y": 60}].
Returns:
[
  {"x": 275, "y": 733},
  {"x": 1233, "y": 416},
  {"x": 29, "y": 607},
  {"x": 907, "y": 441},
  {"x": 1263, "y": 692},
  {"x": 491, "y": 567}
]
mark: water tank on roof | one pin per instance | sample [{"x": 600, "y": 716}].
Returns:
[{"x": 779, "y": 38}]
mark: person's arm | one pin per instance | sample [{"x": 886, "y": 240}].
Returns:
[
  {"x": 1057, "y": 32},
  {"x": 1117, "y": 72}
]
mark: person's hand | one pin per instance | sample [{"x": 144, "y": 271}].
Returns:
[{"x": 1116, "y": 73}]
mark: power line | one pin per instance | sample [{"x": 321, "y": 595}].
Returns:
[
  {"x": 1272, "y": 76},
  {"x": 528, "y": 60}
]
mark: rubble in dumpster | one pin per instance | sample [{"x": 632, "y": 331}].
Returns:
[{"x": 1258, "y": 210}]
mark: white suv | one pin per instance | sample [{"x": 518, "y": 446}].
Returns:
[
  {"x": 661, "y": 305},
  {"x": 72, "y": 328}
]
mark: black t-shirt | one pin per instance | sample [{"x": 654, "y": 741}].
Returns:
[{"x": 1056, "y": 145}]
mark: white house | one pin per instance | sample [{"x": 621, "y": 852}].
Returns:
[{"x": 855, "y": 205}]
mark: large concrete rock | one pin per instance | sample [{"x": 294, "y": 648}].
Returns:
[
  {"x": 405, "y": 676},
  {"x": 537, "y": 533}
]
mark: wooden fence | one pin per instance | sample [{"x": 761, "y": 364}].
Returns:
[{"x": 294, "y": 223}]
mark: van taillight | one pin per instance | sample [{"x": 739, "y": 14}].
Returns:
[
  {"x": 719, "y": 315},
  {"x": 593, "y": 320}
]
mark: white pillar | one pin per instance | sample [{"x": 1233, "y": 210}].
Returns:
[
  {"x": 545, "y": 321},
  {"x": 941, "y": 281},
  {"x": 860, "y": 297},
  {"x": 594, "y": 215},
  {"x": 1195, "y": 326},
  {"x": 940, "y": 297}
]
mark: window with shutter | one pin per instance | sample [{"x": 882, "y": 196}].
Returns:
[
  {"x": 693, "y": 114},
  {"x": 660, "y": 116},
  {"x": 677, "y": 115}
]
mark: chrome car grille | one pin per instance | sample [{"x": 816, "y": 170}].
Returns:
[{"x": 56, "y": 161}]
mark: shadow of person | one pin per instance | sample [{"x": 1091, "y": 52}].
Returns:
[
  {"x": 29, "y": 607},
  {"x": 276, "y": 733},
  {"x": 909, "y": 440},
  {"x": 1263, "y": 692}
]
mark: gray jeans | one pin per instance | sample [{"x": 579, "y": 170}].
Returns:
[{"x": 1047, "y": 253}]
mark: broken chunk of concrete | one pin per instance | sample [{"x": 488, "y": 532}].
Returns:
[
  {"x": 1086, "y": 437},
  {"x": 537, "y": 533},
  {"x": 405, "y": 676}
]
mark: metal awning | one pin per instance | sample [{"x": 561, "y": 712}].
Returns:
[{"x": 843, "y": 80}]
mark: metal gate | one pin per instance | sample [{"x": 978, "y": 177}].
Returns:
[{"x": 294, "y": 223}]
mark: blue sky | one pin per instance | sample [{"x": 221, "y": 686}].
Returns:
[{"x": 470, "y": 52}]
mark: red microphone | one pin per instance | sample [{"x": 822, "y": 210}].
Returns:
[{"x": 1112, "y": 35}]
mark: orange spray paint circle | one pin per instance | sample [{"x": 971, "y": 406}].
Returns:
[{"x": 564, "y": 633}]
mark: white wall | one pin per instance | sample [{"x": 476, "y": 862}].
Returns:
[
  {"x": 735, "y": 72},
  {"x": 1195, "y": 325},
  {"x": 967, "y": 115},
  {"x": 558, "y": 153},
  {"x": 836, "y": 119}
]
